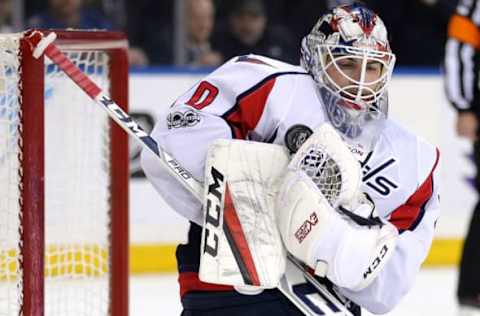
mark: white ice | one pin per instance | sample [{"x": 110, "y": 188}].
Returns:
[{"x": 432, "y": 294}]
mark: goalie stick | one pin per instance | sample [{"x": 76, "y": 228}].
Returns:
[{"x": 292, "y": 287}]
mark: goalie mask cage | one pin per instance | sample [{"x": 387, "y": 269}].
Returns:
[{"x": 63, "y": 180}]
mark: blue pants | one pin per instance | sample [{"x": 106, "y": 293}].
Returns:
[{"x": 269, "y": 302}]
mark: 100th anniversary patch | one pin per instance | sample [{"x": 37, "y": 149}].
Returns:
[{"x": 182, "y": 119}]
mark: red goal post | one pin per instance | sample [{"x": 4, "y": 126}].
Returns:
[{"x": 64, "y": 168}]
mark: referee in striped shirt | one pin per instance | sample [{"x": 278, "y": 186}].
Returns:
[{"x": 462, "y": 63}]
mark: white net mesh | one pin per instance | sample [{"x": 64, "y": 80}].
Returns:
[
  {"x": 10, "y": 211},
  {"x": 77, "y": 165},
  {"x": 77, "y": 188}
]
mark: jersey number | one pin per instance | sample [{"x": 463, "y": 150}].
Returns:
[{"x": 203, "y": 96}]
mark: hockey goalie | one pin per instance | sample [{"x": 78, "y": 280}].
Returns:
[{"x": 302, "y": 171}]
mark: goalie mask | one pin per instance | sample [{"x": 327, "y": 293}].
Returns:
[{"x": 348, "y": 54}]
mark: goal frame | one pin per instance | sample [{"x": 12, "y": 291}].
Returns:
[{"x": 33, "y": 168}]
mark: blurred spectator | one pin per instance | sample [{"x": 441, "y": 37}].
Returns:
[
  {"x": 150, "y": 26},
  {"x": 5, "y": 16},
  {"x": 298, "y": 16},
  {"x": 69, "y": 13},
  {"x": 462, "y": 65},
  {"x": 63, "y": 14},
  {"x": 200, "y": 18},
  {"x": 417, "y": 28},
  {"x": 414, "y": 25},
  {"x": 248, "y": 31},
  {"x": 156, "y": 35}
]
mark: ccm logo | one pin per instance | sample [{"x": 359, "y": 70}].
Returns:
[
  {"x": 122, "y": 116},
  {"x": 376, "y": 262},
  {"x": 306, "y": 227},
  {"x": 213, "y": 212}
]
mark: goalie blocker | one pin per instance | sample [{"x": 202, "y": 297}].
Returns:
[{"x": 240, "y": 243}]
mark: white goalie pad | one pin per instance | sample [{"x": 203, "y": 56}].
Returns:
[{"x": 241, "y": 245}]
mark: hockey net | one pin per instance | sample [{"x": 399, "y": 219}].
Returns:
[{"x": 63, "y": 181}]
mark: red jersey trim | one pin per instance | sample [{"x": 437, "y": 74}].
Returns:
[
  {"x": 247, "y": 112},
  {"x": 244, "y": 116},
  {"x": 408, "y": 215}
]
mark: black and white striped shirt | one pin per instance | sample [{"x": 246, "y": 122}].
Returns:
[{"x": 462, "y": 57}]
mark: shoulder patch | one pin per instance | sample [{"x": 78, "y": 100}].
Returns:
[{"x": 296, "y": 135}]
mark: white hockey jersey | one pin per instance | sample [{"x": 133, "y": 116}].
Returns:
[{"x": 260, "y": 99}]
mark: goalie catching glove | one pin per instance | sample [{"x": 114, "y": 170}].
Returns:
[{"x": 323, "y": 177}]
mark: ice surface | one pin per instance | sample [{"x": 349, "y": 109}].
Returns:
[{"x": 432, "y": 294}]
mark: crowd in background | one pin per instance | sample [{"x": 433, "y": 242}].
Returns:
[{"x": 216, "y": 30}]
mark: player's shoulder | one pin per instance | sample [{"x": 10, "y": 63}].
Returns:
[
  {"x": 411, "y": 147},
  {"x": 261, "y": 64},
  {"x": 248, "y": 70}
]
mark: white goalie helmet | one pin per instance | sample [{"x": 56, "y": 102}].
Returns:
[{"x": 345, "y": 47}]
